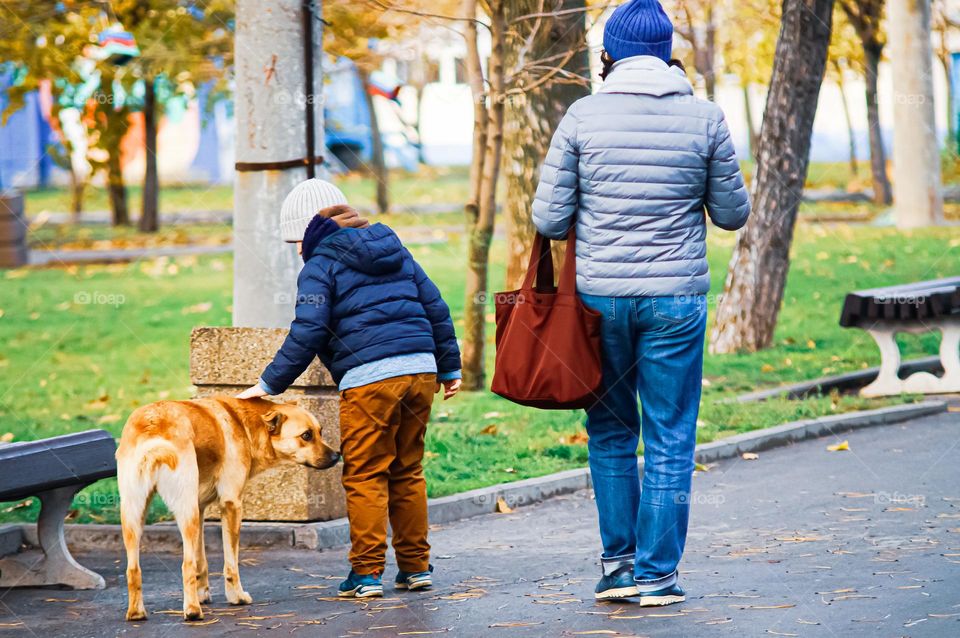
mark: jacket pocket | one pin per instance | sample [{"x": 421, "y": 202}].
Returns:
[{"x": 679, "y": 308}]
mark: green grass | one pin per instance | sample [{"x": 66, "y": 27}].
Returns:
[
  {"x": 85, "y": 345},
  {"x": 429, "y": 185}
]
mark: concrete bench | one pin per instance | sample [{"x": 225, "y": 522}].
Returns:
[
  {"x": 918, "y": 307},
  {"x": 53, "y": 470}
]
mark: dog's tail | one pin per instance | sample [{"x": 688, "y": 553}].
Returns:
[
  {"x": 160, "y": 453},
  {"x": 138, "y": 473}
]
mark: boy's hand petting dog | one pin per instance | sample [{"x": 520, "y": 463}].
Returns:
[
  {"x": 345, "y": 216},
  {"x": 252, "y": 392},
  {"x": 450, "y": 387}
]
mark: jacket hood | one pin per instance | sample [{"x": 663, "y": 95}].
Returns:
[
  {"x": 375, "y": 250},
  {"x": 647, "y": 75}
]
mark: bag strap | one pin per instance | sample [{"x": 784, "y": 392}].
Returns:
[
  {"x": 540, "y": 268},
  {"x": 568, "y": 272}
]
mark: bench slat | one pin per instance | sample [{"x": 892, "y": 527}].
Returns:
[
  {"x": 917, "y": 301},
  {"x": 31, "y": 467}
]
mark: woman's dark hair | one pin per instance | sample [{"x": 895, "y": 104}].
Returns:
[{"x": 608, "y": 63}]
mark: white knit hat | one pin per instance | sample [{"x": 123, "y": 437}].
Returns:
[{"x": 303, "y": 203}]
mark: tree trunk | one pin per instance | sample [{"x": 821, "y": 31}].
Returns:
[
  {"x": 481, "y": 228},
  {"x": 533, "y": 115},
  {"x": 150, "y": 211},
  {"x": 851, "y": 134},
  {"x": 946, "y": 61},
  {"x": 78, "y": 187},
  {"x": 116, "y": 189},
  {"x": 377, "y": 163},
  {"x": 751, "y": 126},
  {"x": 882, "y": 193},
  {"x": 918, "y": 197},
  {"x": 710, "y": 50},
  {"x": 748, "y": 310},
  {"x": 113, "y": 125}
]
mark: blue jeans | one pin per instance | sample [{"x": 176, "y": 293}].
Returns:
[{"x": 652, "y": 346}]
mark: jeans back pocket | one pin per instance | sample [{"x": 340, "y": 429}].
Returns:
[{"x": 679, "y": 308}]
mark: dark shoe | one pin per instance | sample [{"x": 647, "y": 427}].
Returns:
[
  {"x": 617, "y": 581},
  {"x": 666, "y": 596},
  {"x": 361, "y": 586},
  {"x": 415, "y": 580}
]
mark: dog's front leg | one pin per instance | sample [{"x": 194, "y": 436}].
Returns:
[{"x": 231, "y": 514}]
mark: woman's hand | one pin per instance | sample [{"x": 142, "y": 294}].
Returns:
[
  {"x": 253, "y": 392},
  {"x": 450, "y": 387}
]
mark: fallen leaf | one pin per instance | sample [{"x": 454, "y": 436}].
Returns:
[
  {"x": 492, "y": 415},
  {"x": 199, "y": 308},
  {"x": 798, "y": 539},
  {"x": 750, "y": 456},
  {"x": 109, "y": 418},
  {"x": 502, "y": 507},
  {"x": 514, "y": 624},
  {"x": 465, "y": 595},
  {"x": 577, "y": 438},
  {"x": 6, "y": 438},
  {"x": 839, "y": 447},
  {"x": 203, "y": 623},
  {"x": 312, "y": 587},
  {"x": 490, "y": 430},
  {"x": 700, "y": 467}
]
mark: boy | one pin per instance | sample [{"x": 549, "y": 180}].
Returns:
[{"x": 378, "y": 323}]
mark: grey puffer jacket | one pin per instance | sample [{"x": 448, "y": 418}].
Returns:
[{"x": 634, "y": 166}]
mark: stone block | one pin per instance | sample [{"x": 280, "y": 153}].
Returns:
[{"x": 226, "y": 360}]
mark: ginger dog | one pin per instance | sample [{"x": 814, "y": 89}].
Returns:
[{"x": 194, "y": 453}]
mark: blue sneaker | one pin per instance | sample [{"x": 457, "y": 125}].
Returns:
[
  {"x": 414, "y": 580},
  {"x": 361, "y": 586},
  {"x": 617, "y": 581},
  {"x": 666, "y": 596}
]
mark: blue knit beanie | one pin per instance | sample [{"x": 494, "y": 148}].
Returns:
[{"x": 639, "y": 27}]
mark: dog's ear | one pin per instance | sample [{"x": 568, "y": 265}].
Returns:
[{"x": 274, "y": 419}]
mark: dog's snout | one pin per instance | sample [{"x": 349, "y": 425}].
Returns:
[{"x": 335, "y": 456}]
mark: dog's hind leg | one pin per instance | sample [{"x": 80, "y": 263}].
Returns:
[
  {"x": 178, "y": 489},
  {"x": 230, "y": 522},
  {"x": 203, "y": 570},
  {"x": 134, "y": 496}
]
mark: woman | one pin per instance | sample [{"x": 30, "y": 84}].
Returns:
[{"x": 633, "y": 167}]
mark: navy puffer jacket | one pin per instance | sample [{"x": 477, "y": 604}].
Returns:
[{"x": 361, "y": 297}]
